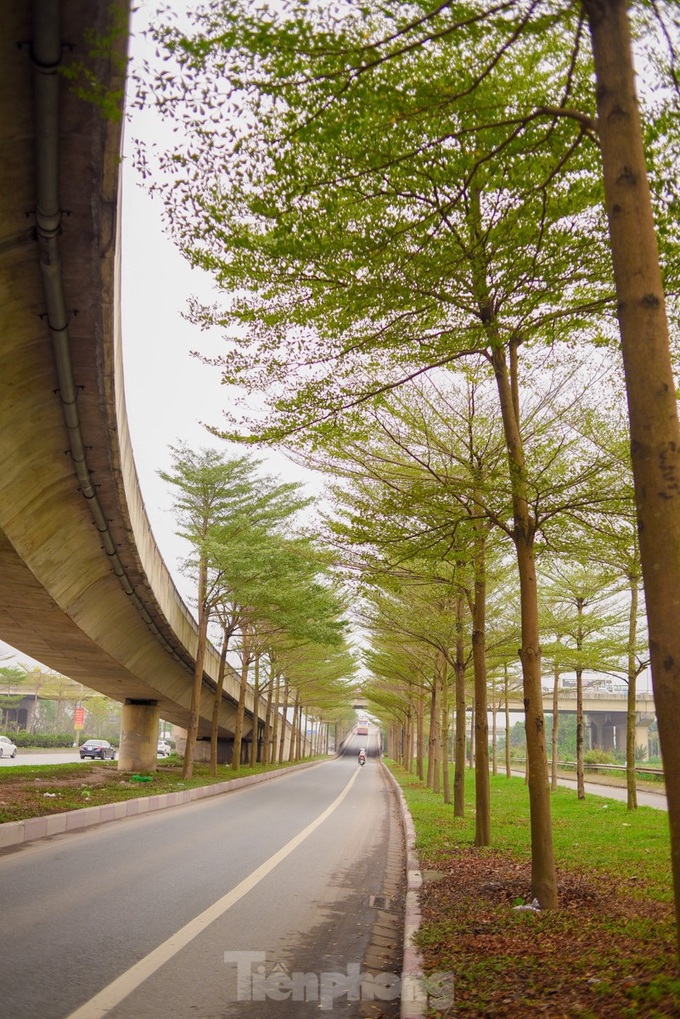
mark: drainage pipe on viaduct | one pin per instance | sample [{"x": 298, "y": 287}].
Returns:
[{"x": 83, "y": 587}]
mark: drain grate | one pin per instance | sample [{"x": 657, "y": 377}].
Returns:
[{"x": 380, "y": 902}]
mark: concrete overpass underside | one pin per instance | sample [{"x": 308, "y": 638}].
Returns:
[{"x": 83, "y": 588}]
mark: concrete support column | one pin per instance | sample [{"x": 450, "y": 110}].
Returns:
[
  {"x": 607, "y": 737},
  {"x": 621, "y": 735},
  {"x": 139, "y": 736},
  {"x": 642, "y": 734},
  {"x": 591, "y": 729},
  {"x": 225, "y": 748}
]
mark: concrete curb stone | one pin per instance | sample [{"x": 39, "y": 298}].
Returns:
[
  {"x": 413, "y": 993},
  {"x": 17, "y": 833}
]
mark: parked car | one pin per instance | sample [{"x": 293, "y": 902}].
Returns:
[
  {"x": 97, "y": 748},
  {"x": 7, "y": 748},
  {"x": 164, "y": 749}
]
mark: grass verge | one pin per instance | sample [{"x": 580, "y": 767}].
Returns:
[
  {"x": 38, "y": 790},
  {"x": 608, "y": 952}
]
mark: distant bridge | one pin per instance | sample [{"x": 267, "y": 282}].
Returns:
[
  {"x": 605, "y": 714},
  {"x": 83, "y": 587}
]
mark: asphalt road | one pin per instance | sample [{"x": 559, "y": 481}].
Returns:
[
  {"x": 42, "y": 757},
  {"x": 252, "y": 904}
]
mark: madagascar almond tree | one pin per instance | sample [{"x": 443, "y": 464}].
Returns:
[
  {"x": 452, "y": 152},
  {"x": 219, "y": 500}
]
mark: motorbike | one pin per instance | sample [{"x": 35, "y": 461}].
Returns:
[{"x": 362, "y": 759}]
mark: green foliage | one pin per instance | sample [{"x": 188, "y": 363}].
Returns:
[
  {"x": 595, "y": 834},
  {"x": 43, "y": 739},
  {"x": 71, "y": 785},
  {"x": 90, "y": 78},
  {"x": 593, "y": 757},
  {"x": 326, "y": 156}
]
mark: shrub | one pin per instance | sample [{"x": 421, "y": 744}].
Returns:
[
  {"x": 45, "y": 740},
  {"x": 592, "y": 758}
]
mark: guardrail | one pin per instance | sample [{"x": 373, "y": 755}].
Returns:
[{"x": 592, "y": 766}]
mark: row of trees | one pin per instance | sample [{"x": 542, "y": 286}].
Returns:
[
  {"x": 421, "y": 518},
  {"x": 388, "y": 190},
  {"x": 55, "y": 700},
  {"x": 265, "y": 594}
]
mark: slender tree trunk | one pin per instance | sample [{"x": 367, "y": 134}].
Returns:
[
  {"x": 473, "y": 722},
  {"x": 216, "y": 704},
  {"x": 580, "y": 776},
  {"x": 420, "y": 760},
  {"x": 277, "y": 720},
  {"x": 293, "y": 753},
  {"x": 481, "y": 727},
  {"x": 254, "y": 739},
  {"x": 195, "y": 709},
  {"x": 543, "y": 871},
  {"x": 246, "y": 659},
  {"x": 494, "y": 728},
  {"x": 284, "y": 721},
  {"x": 555, "y": 725},
  {"x": 506, "y": 685},
  {"x": 268, "y": 735},
  {"x": 461, "y": 716},
  {"x": 431, "y": 737},
  {"x": 435, "y": 746},
  {"x": 631, "y": 716},
  {"x": 444, "y": 730},
  {"x": 302, "y": 733},
  {"x": 650, "y": 384}
]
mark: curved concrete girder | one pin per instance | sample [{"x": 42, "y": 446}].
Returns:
[{"x": 60, "y": 600}]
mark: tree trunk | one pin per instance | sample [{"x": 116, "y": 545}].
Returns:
[
  {"x": 255, "y": 737},
  {"x": 494, "y": 729},
  {"x": 421, "y": 735},
  {"x": 472, "y": 732},
  {"x": 241, "y": 708},
  {"x": 444, "y": 730},
  {"x": 631, "y": 716},
  {"x": 284, "y": 721},
  {"x": 482, "y": 790},
  {"x": 268, "y": 741},
  {"x": 435, "y": 730},
  {"x": 277, "y": 721},
  {"x": 543, "y": 872},
  {"x": 506, "y": 687},
  {"x": 293, "y": 749},
  {"x": 408, "y": 739},
  {"x": 461, "y": 717},
  {"x": 194, "y": 711},
  {"x": 654, "y": 429},
  {"x": 216, "y": 704},
  {"x": 580, "y": 777},
  {"x": 555, "y": 725}
]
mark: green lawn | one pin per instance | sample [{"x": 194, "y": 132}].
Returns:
[{"x": 609, "y": 950}]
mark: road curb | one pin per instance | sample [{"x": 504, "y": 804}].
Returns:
[
  {"x": 413, "y": 992},
  {"x": 18, "y": 833}
]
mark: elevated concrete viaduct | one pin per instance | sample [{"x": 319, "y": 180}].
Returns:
[{"x": 83, "y": 588}]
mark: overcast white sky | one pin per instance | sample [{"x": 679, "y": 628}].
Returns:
[{"x": 168, "y": 392}]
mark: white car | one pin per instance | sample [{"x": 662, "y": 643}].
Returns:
[
  {"x": 7, "y": 748},
  {"x": 164, "y": 749}
]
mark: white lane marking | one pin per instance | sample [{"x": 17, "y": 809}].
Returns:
[{"x": 127, "y": 982}]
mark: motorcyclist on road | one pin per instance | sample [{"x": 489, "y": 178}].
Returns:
[{"x": 362, "y": 756}]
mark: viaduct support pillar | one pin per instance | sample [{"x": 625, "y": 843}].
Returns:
[{"x": 139, "y": 736}]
